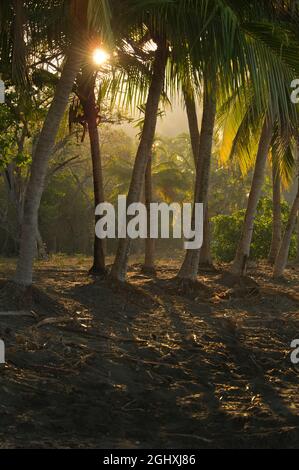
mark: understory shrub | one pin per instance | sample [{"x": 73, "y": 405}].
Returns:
[{"x": 227, "y": 230}]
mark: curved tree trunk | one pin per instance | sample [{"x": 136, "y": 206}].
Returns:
[
  {"x": 149, "y": 261},
  {"x": 277, "y": 219},
  {"x": 88, "y": 101},
  {"x": 283, "y": 254},
  {"x": 119, "y": 269},
  {"x": 189, "y": 267},
  {"x": 240, "y": 263},
  {"x": 39, "y": 166}
]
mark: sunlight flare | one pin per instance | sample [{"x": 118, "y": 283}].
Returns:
[{"x": 100, "y": 56}]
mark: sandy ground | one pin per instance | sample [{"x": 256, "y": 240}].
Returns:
[{"x": 146, "y": 365}]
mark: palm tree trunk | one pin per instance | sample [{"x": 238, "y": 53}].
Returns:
[
  {"x": 149, "y": 260},
  {"x": 192, "y": 123},
  {"x": 189, "y": 267},
  {"x": 282, "y": 257},
  {"x": 277, "y": 219},
  {"x": 240, "y": 263},
  {"x": 283, "y": 254},
  {"x": 88, "y": 101},
  {"x": 205, "y": 255},
  {"x": 40, "y": 160},
  {"x": 297, "y": 234},
  {"x": 119, "y": 269}
]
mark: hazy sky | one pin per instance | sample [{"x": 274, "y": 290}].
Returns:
[{"x": 174, "y": 123}]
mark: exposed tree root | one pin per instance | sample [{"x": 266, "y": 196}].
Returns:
[
  {"x": 239, "y": 286},
  {"x": 190, "y": 288},
  {"x": 16, "y": 296},
  {"x": 207, "y": 268},
  {"x": 28, "y": 298},
  {"x": 98, "y": 272}
]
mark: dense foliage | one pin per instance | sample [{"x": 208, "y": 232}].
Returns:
[{"x": 227, "y": 231}]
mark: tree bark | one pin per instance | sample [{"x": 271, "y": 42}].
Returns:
[
  {"x": 119, "y": 269},
  {"x": 277, "y": 218},
  {"x": 40, "y": 160},
  {"x": 282, "y": 257},
  {"x": 41, "y": 247},
  {"x": 192, "y": 123},
  {"x": 283, "y": 253},
  {"x": 88, "y": 101},
  {"x": 149, "y": 260},
  {"x": 189, "y": 269},
  {"x": 297, "y": 256},
  {"x": 239, "y": 266}
]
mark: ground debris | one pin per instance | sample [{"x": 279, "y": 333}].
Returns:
[{"x": 202, "y": 367}]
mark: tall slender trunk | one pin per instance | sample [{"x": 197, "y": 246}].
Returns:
[
  {"x": 297, "y": 234},
  {"x": 41, "y": 247},
  {"x": 119, "y": 269},
  {"x": 239, "y": 266},
  {"x": 40, "y": 160},
  {"x": 149, "y": 259},
  {"x": 15, "y": 194},
  {"x": 189, "y": 267},
  {"x": 88, "y": 101},
  {"x": 283, "y": 254},
  {"x": 277, "y": 218},
  {"x": 192, "y": 123},
  {"x": 205, "y": 255},
  {"x": 282, "y": 257}
]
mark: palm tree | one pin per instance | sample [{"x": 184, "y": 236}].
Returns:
[
  {"x": 86, "y": 93},
  {"x": 297, "y": 233},
  {"x": 164, "y": 26},
  {"x": 277, "y": 216},
  {"x": 280, "y": 117},
  {"x": 149, "y": 258},
  {"x": 41, "y": 157},
  {"x": 283, "y": 253},
  {"x": 180, "y": 23},
  {"x": 243, "y": 57},
  {"x": 205, "y": 256},
  {"x": 241, "y": 259},
  {"x": 282, "y": 257},
  {"x": 191, "y": 111},
  {"x": 119, "y": 268},
  {"x": 48, "y": 134},
  {"x": 189, "y": 269}
]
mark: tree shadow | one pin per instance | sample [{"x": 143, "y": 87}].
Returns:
[{"x": 142, "y": 366}]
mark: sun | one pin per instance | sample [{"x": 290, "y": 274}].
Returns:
[{"x": 100, "y": 56}]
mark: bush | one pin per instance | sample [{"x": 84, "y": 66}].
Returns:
[{"x": 227, "y": 230}]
